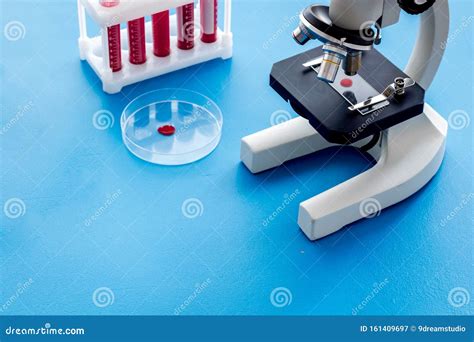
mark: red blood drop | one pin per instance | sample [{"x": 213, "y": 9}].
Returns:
[
  {"x": 346, "y": 82},
  {"x": 166, "y": 130}
]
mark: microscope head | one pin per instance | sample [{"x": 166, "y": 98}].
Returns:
[{"x": 343, "y": 43}]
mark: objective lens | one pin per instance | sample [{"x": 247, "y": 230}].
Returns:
[
  {"x": 301, "y": 35},
  {"x": 352, "y": 63},
  {"x": 329, "y": 67},
  {"x": 332, "y": 59}
]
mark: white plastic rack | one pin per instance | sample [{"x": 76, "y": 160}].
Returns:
[{"x": 95, "y": 49}]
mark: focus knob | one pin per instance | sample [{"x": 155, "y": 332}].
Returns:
[{"x": 415, "y": 6}]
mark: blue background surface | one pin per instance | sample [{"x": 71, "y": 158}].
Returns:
[{"x": 148, "y": 253}]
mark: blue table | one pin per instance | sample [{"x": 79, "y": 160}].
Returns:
[{"x": 97, "y": 220}]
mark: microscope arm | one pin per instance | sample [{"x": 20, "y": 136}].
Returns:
[{"x": 430, "y": 44}]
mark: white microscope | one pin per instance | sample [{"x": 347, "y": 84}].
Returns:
[{"x": 347, "y": 93}]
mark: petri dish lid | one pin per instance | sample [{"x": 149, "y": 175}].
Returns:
[{"x": 171, "y": 126}]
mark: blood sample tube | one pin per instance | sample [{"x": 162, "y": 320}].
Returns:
[
  {"x": 136, "y": 41},
  {"x": 113, "y": 40},
  {"x": 115, "y": 50},
  {"x": 208, "y": 21},
  {"x": 161, "y": 33},
  {"x": 185, "y": 17}
]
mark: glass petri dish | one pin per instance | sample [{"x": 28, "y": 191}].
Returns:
[{"x": 171, "y": 126}]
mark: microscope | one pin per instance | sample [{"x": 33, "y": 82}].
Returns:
[{"x": 347, "y": 93}]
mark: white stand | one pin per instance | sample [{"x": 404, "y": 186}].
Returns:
[
  {"x": 95, "y": 49},
  {"x": 408, "y": 154}
]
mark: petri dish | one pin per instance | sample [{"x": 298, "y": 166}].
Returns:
[{"x": 171, "y": 126}]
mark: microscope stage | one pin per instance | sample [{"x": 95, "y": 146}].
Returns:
[{"x": 327, "y": 110}]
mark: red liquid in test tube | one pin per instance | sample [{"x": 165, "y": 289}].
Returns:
[
  {"x": 161, "y": 33},
  {"x": 109, "y": 3},
  {"x": 115, "y": 50},
  {"x": 208, "y": 21},
  {"x": 185, "y": 17},
  {"x": 113, "y": 40},
  {"x": 136, "y": 41}
]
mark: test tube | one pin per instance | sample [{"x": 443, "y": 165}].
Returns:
[
  {"x": 208, "y": 11},
  {"x": 185, "y": 18},
  {"x": 113, "y": 40},
  {"x": 136, "y": 41},
  {"x": 109, "y": 3},
  {"x": 115, "y": 49},
  {"x": 161, "y": 33}
]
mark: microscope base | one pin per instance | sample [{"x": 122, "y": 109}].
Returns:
[{"x": 408, "y": 156}]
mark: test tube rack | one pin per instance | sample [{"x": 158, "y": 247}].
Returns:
[{"x": 95, "y": 50}]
